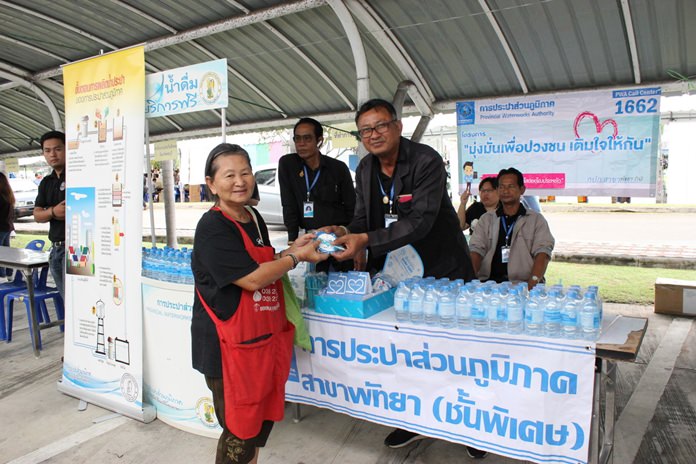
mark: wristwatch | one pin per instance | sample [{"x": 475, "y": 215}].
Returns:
[{"x": 535, "y": 278}]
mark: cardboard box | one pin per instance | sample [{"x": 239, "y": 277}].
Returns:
[
  {"x": 674, "y": 296},
  {"x": 354, "y": 306}
]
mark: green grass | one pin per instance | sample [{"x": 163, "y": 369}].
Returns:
[
  {"x": 617, "y": 284},
  {"x": 21, "y": 240}
]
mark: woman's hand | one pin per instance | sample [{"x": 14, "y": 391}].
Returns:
[{"x": 306, "y": 250}]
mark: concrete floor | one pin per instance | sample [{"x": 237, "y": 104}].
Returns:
[{"x": 656, "y": 410}]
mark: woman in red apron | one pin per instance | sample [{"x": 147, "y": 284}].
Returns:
[{"x": 241, "y": 339}]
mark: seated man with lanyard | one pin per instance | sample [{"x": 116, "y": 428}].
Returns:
[{"x": 521, "y": 239}]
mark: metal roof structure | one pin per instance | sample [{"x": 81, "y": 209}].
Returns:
[{"x": 322, "y": 58}]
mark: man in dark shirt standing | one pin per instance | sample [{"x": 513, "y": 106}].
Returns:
[
  {"x": 402, "y": 199},
  {"x": 50, "y": 203},
  {"x": 315, "y": 190}
]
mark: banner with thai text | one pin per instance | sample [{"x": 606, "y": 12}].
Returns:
[
  {"x": 524, "y": 397},
  {"x": 104, "y": 120},
  {"x": 190, "y": 88},
  {"x": 599, "y": 142}
]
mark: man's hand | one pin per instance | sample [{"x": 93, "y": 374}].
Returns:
[
  {"x": 360, "y": 261},
  {"x": 338, "y": 231},
  {"x": 59, "y": 211},
  {"x": 354, "y": 244}
]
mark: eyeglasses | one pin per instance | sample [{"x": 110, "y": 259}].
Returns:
[
  {"x": 380, "y": 128},
  {"x": 303, "y": 138}
]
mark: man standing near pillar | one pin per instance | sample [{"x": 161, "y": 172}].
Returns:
[{"x": 50, "y": 204}]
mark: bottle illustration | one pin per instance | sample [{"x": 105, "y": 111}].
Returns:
[
  {"x": 118, "y": 290},
  {"x": 116, "y": 193},
  {"x": 110, "y": 348},
  {"x": 117, "y": 231}
]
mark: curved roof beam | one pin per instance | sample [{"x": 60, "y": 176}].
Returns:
[
  {"x": 39, "y": 50},
  {"x": 421, "y": 93},
  {"x": 506, "y": 46},
  {"x": 57, "y": 123},
  {"x": 25, "y": 117},
  {"x": 362, "y": 75},
  {"x": 300, "y": 53},
  {"x": 207, "y": 52},
  {"x": 27, "y": 76},
  {"x": 16, "y": 148},
  {"x": 631, "y": 37}
]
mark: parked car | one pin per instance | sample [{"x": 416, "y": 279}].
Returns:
[
  {"x": 269, "y": 194},
  {"x": 269, "y": 206},
  {"x": 25, "y": 192}
]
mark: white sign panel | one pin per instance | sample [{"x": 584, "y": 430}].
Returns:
[
  {"x": 184, "y": 90},
  {"x": 524, "y": 397}
]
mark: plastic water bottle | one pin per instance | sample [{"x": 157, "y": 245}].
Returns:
[
  {"x": 446, "y": 307},
  {"x": 430, "y": 300},
  {"x": 496, "y": 311},
  {"x": 463, "y": 308},
  {"x": 515, "y": 312},
  {"x": 478, "y": 310},
  {"x": 534, "y": 314},
  {"x": 401, "y": 302},
  {"x": 415, "y": 304},
  {"x": 600, "y": 314},
  {"x": 588, "y": 312},
  {"x": 569, "y": 315},
  {"x": 552, "y": 315}
]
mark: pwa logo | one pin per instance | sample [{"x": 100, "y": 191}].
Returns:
[{"x": 466, "y": 113}]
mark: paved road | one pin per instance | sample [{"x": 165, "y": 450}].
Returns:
[{"x": 656, "y": 234}]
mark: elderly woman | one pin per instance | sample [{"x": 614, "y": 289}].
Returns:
[{"x": 241, "y": 338}]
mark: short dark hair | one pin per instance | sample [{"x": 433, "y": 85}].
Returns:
[
  {"x": 514, "y": 172},
  {"x": 468, "y": 163},
  {"x": 318, "y": 130},
  {"x": 490, "y": 180},
  {"x": 373, "y": 104},
  {"x": 54, "y": 134},
  {"x": 220, "y": 150}
]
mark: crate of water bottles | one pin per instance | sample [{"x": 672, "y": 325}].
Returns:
[
  {"x": 168, "y": 264},
  {"x": 557, "y": 312}
]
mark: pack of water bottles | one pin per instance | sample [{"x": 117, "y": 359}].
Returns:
[
  {"x": 557, "y": 312},
  {"x": 168, "y": 264}
]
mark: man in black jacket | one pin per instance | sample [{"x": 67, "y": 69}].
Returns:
[
  {"x": 315, "y": 190},
  {"x": 402, "y": 199}
]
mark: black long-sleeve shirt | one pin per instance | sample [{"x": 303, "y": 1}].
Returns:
[{"x": 333, "y": 194}]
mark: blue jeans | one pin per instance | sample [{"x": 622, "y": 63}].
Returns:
[
  {"x": 5, "y": 241},
  {"x": 56, "y": 263}
]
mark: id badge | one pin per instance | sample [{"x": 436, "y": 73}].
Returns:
[
  {"x": 389, "y": 218},
  {"x": 308, "y": 208},
  {"x": 505, "y": 254}
]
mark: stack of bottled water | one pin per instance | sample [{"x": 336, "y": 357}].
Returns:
[
  {"x": 556, "y": 312},
  {"x": 168, "y": 264}
]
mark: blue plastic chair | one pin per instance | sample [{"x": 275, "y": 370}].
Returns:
[
  {"x": 18, "y": 284},
  {"x": 41, "y": 296}
]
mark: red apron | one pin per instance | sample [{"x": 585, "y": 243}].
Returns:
[{"x": 254, "y": 374}]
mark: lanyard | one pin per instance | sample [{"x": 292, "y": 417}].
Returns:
[
  {"x": 387, "y": 200},
  {"x": 508, "y": 230},
  {"x": 306, "y": 179}
]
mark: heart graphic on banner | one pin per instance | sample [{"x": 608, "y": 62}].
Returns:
[{"x": 599, "y": 126}]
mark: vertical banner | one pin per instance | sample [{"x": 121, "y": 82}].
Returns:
[
  {"x": 104, "y": 120},
  {"x": 599, "y": 142}
]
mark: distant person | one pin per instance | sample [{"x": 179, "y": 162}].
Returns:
[
  {"x": 7, "y": 202},
  {"x": 37, "y": 178},
  {"x": 511, "y": 243},
  {"x": 50, "y": 204},
  {"x": 488, "y": 192},
  {"x": 315, "y": 190}
]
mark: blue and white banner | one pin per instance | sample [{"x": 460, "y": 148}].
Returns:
[
  {"x": 523, "y": 397},
  {"x": 184, "y": 90},
  {"x": 600, "y": 142}
]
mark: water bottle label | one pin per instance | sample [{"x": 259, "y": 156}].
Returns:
[
  {"x": 587, "y": 321},
  {"x": 514, "y": 315}
]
